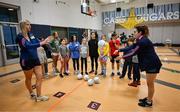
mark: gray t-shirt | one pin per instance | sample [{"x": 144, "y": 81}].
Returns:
[
  {"x": 63, "y": 50},
  {"x": 42, "y": 55},
  {"x": 135, "y": 59},
  {"x": 84, "y": 51}
]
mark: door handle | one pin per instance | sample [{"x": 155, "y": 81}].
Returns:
[{"x": 3, "y": 46}]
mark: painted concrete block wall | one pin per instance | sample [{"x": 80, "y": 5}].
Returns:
[{"x": 47, "y": 12}]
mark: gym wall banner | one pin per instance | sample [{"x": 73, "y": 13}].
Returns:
[
  {"x": 131, "y": 20},
  {"x": 157, "y": 13}
]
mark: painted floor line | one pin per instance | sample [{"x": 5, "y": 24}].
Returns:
[{"x": 63, "y": 97}]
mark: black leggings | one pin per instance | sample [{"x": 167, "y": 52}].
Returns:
[
  {"x": 46, "y": 67},
  {"x": 93, "y": 58},
  {"x": 83, "y": 61},
  {"x": 75, "y": 64}
]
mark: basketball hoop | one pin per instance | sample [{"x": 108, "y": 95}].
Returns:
[{"x": 92, "y": 13}]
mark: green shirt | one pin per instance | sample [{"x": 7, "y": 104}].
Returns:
[{"x": 54, "y": 44}]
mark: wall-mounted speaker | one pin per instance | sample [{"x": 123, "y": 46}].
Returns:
[
  {"x": 36, "y": 1},
  {"x": 150, "y": 6},
  {"x": 118, "y": 9}
]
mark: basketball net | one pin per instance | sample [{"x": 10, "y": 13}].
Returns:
[{"x": 92, "y": 13}]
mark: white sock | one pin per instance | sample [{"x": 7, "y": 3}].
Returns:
[{"x": 112, "y": 70}]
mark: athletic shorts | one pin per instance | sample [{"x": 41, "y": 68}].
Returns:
[
  {"x": 113, "y": 59},
  {"x": 29, "y": 64},
  {"x": 155, "y": 70}
]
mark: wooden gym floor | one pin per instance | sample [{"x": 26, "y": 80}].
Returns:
[{"x": 113, "y": 94}]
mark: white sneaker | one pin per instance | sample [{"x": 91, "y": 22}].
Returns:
[
  {"x": 42, "y": 98},
  {"x": 68, "y": 72},
  {"x": 54, "y": 73},
  {"x": 47, "y": 73},
  {"x": 77, "y": 72}
]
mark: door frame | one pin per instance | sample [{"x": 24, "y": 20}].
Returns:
[{"x": 3, "y": 50}]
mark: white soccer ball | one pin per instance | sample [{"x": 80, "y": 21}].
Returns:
[
  {"x": 86, "y": 77},
  {"x": 101, "y": 43},
  {"x": 79, "y": 76},
  {"x": 90, "y": 82},
  {"x": 96, "y": 80}
]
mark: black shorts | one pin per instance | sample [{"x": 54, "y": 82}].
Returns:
[
  {"x": 113, "y": 59},
  {"x": 155, "y": 70},
  {"x": 29, "y": 64}
]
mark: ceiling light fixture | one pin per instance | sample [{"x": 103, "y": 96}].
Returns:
[
  {"x": 11, "y": 9},
  {"x": 113, "y": 1}
]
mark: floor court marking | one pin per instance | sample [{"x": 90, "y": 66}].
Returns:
[
  {"x": 170, "y": 70},
  {"x": 171, "y": 61},
  {"x": 174, "y": 50},
  {"x": 5, "y": 74},
  {"x": 64, "y": 96},
  {"x": 167, "y": 55},
  {"x": 94, "y": 105},
  {"x": 15, "y": 80},
  {"x": 16, "y": 71},
  {"x": 167, "y": 84}
]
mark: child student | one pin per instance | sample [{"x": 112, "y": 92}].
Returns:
[
  {"x": 63, "y": 55},
  {"x": 67, "y": 66},
  {"x": 84, "y": 52},
  {"x": 43, "y": 60},
  {"x": 103, "y": 50},
  {"x": 127, "y": 61},
  {"x": 114, "y": 44},
  {"x": 136, "y": 71},
  {"x": 54, "y": 44},
  {"x": 93, "y": 51},
  {"x": 48, "y": 55},
  {"x": 74, "y": 48}
]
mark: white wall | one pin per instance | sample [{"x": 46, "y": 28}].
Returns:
[
  {"x": 49, "y": 13},
  {"x": 160, "y": 32}
]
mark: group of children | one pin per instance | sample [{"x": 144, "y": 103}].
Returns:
[
  {"x": 102, "y": 50},
  {"x": 139, "y": 54}
]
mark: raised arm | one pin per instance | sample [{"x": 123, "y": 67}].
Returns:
[
  {"x": 25, "y": 43},
  {"x": 126, "y": 49}
]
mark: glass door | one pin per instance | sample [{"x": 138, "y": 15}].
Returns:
[{"x": 9, "y": 48}]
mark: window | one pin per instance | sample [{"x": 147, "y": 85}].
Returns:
[{"x": 8, "y": 14}]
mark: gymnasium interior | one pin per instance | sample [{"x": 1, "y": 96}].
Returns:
[{"x": 80, "y": 18}]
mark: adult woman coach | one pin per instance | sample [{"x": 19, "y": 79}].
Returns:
[
  {"x": 29, "y": 60},
  {"x": 148, "y": 61}
]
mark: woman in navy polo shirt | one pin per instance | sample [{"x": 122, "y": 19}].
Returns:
[
  {"x": 29, "y": 60},
  {"x": 148, "y": 61}
]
